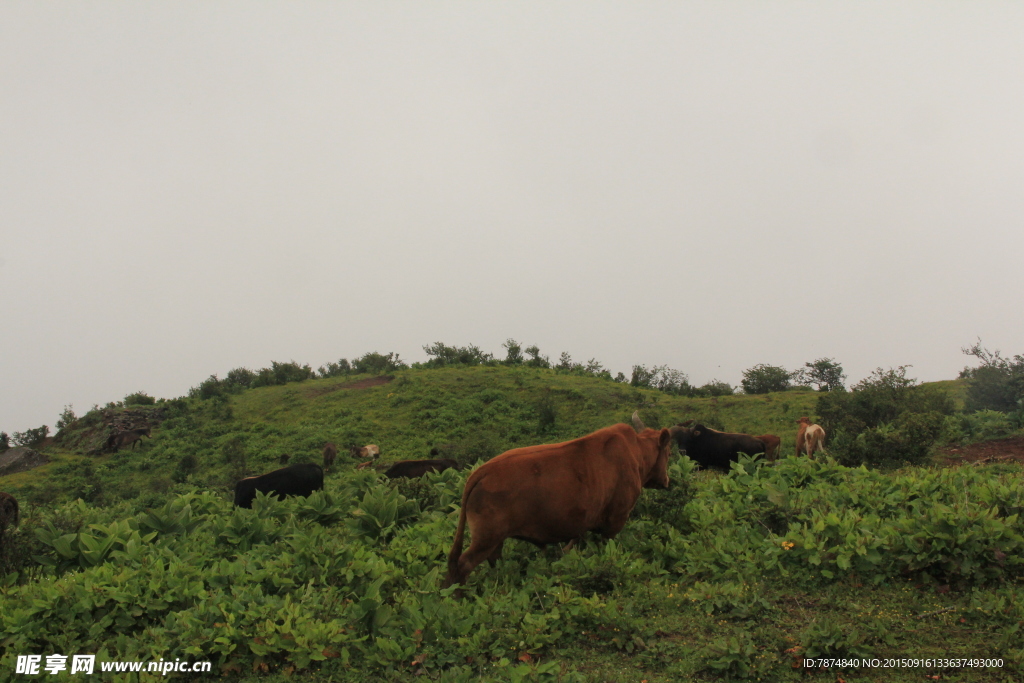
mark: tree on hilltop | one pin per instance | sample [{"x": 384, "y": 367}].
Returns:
[
  {"x": 826, "y": 374},
  {"x": 763, "y": 378},
  {"x": 997, "y": 384}
]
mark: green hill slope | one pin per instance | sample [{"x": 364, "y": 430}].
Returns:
[
  {"x": 467, "y": 413},
  {"x": 731, "y": 576}
]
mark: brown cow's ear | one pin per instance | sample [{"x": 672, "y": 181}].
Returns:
[
  {"x": 696, "y": 432},
  {"x": 664, "y": 438}
]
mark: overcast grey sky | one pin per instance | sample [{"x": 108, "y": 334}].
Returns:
[{"x": 189, "y": 187}]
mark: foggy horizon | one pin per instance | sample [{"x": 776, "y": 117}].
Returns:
[{"x": 187, "y": 188}]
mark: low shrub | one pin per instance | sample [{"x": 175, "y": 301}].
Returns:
[
  {"x": 886, "y": 419},
  {"x": 139, "y": 398},
  {"x": 30, "y": 437}
]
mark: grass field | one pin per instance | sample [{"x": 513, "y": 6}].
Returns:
[{"x": 722, "y": 577}]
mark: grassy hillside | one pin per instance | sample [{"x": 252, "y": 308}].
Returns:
[
  {"x": 468, "y": 413},
  {"x": 722, "y": 577}
]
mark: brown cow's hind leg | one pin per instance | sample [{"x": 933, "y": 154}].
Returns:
[
  {"x": 477, "y": 553},
  {"x": 495, "y": 555}
]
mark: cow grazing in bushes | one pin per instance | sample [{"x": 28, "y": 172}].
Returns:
[
  {"x": 330, "y": 453},
  {"x": 294, "y": 480},
  {"x": 772, "y": 444},
  {"x": 119, "y": 440},
  {"x": 284, "y": 458},
  {"x": 361, "y": 453},
  {"x": 810, "y": 438},
  {"x": 417, "y": 468},
  {"x": 557, "y": 492},
  {"x": 714, "y": 449}
]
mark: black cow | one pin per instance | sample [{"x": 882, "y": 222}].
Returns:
[
  {"x": 119, "y": 440},
  {"x": 9, "y": 513},
  {"x": 417, "y": 468},
  {"x": 714, "y": 449},
  {"x": 294, "y": 480}
]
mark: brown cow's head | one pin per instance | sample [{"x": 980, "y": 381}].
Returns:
[
  {"x": 804, "y": 421},
  {"x": 657, "y": 477}
]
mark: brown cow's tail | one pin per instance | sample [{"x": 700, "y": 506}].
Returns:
[{"x": 456, "y": 551}]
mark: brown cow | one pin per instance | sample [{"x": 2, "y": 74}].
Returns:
[
  {"x": 810, "y": 438},
  {"x": 417, "y": 468},
  {"x": 368, "y": 451},
  {"x": 330, "y": 453},
  {"x": 772, "y": 445},
  {"x": 119, "y": 440},
  {"x": 9, "y": 513},
  {"x": 557, "y": 492}
]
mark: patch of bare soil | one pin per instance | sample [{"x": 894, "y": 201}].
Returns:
[
  {"x": 1000, "y": 450},
  {"x": 360, "y": 384}
]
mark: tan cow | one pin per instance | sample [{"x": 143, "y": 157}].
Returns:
[
  {"x": 810, "y": 438},
  {"x": 555, "y": 493},
  {"x": 368, "y": 451}
]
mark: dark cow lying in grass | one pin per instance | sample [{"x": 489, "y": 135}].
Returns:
[
  {"x": 117, "y": 441},
  {"x": 417, "y": 468},
  {"x": 713, "y": 449},
  {"x": 294, "y": 480},
  {"x": 556, "y": 493}
]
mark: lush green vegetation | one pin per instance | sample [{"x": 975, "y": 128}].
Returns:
[{"x": 140, "y": 555}]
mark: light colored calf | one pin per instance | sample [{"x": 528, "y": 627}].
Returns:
[
  {"x": 810, "y": 438},
  {"x": 368, "y": 451}
]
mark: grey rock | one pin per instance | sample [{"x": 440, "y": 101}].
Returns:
[{"x": 19, "y": 459}]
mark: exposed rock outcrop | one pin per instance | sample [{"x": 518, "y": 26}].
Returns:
[{"x": 19, "y": 459}]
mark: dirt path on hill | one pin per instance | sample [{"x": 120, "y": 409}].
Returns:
[{"x": 1000, "y": 450}]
